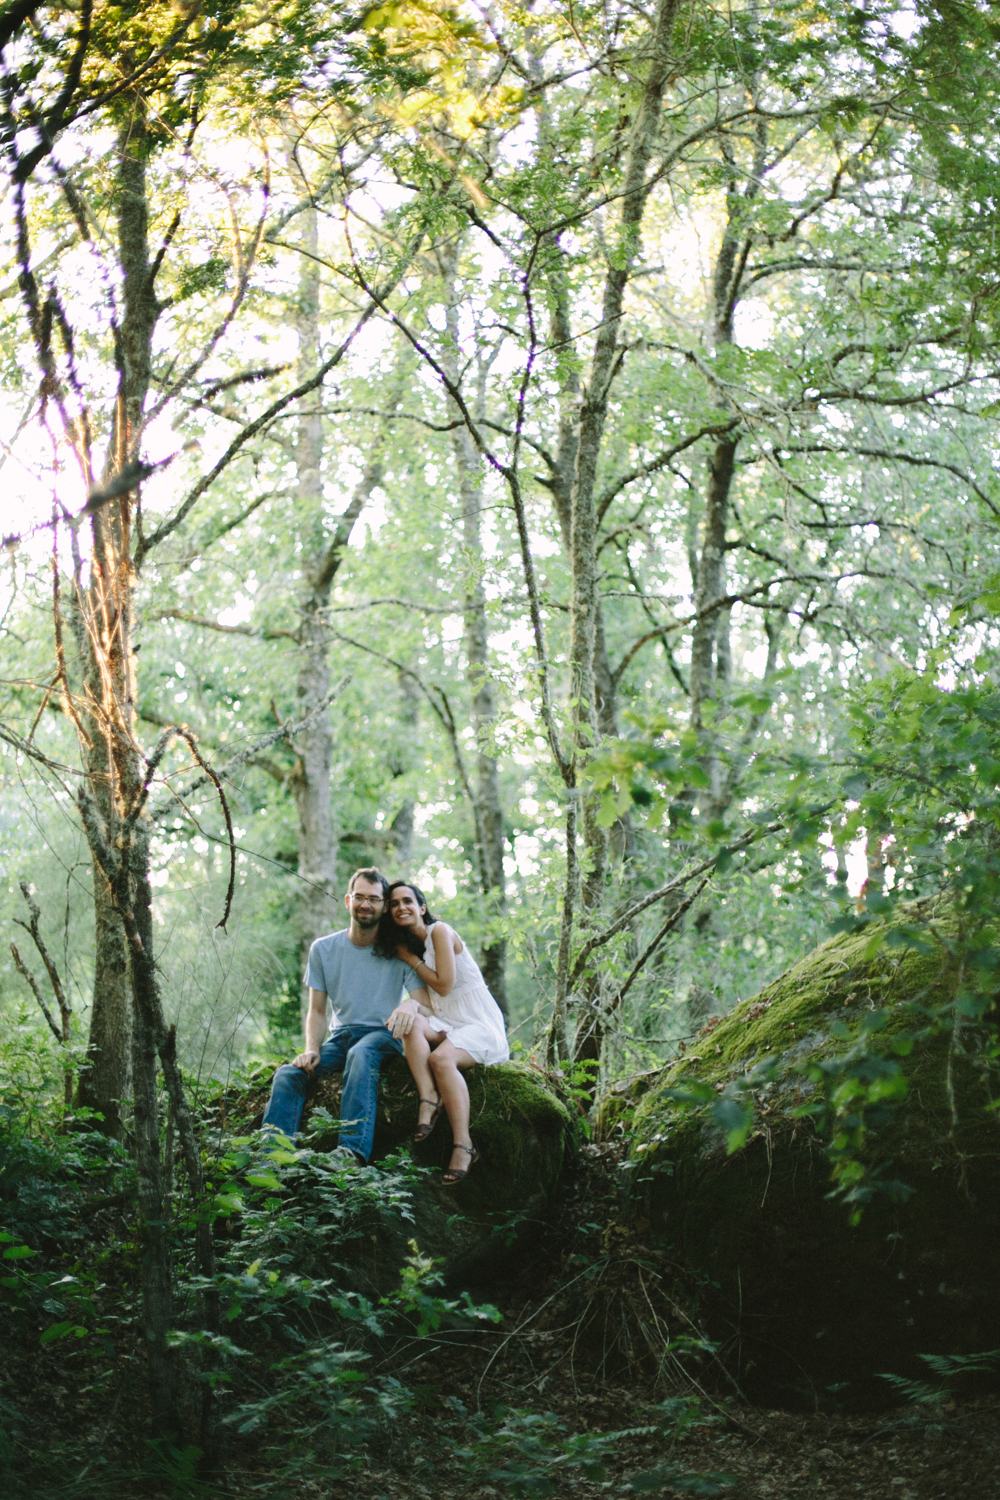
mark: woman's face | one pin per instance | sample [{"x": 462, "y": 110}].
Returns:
[{"x": 406, "y": 909}]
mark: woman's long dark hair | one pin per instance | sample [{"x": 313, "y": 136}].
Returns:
[{"x": 389, "y": 937}]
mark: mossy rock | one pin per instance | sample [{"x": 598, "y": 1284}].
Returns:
[
  {"x": 525, "y": 1134},
  {"x": 806, "y": 1305}
]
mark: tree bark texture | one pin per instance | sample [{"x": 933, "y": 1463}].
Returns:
[
  {"x": 399, "y": 835},
  {"x": 323, "y": 557},
  {"x": 592, "y": 417},
  {"x": 590, "y": 703},
  {"x": 109, "y": 667},
  {"x": 123, "y": 960},
  {"x": 488, "y": 809}
]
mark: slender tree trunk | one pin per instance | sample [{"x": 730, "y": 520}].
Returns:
[
  {"x": 710, "y": 639},
  {"x": 491, "y": 820},
  {"x": 594, "y": 409},
  {"x": 583, "y": 527},
  {"x": 314, "y": 744},
  {"x": 488, "y": 809},
  {"x": 157, "y": 1295},
  {"x": 710, "y": 589},
  {"x": 400, "y": 832}
]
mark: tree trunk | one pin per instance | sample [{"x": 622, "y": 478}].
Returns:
[
  {"x": 399, "y": 835},
  {"x": 105, "y": 1078},
  {"x": 490, "y": 822},
  {"x": 314, "y": 744},
  {"x": 710, "y": 664},
  {"x": 114, "y": 780},
  {"x": 710, "y": 588},
  {"x": 488, "y": 809},
  {"x": 585, "y": 603}
]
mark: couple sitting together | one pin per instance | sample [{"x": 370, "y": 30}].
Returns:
[{"x": 449, "y": 1021}]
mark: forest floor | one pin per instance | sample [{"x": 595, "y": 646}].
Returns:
[
  {"x": 767, "y": 1455},
  {"x": 764, "y": 1454},
  {"x": 587, "y": 1316}
]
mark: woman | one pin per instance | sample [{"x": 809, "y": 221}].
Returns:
[{"x": 465, "y": 1025}]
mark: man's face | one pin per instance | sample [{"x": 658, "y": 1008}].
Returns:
[{"x": 365, "y": 903}]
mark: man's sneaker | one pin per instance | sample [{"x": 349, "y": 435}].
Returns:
[{"x": 347, "y": 1157}]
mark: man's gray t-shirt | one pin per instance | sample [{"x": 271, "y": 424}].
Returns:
[{"x": 364, "y": 990}]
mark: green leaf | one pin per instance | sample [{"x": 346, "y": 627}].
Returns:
[
  {"x": 735, "y": 1118},
  {"x": 263, "y": 1180},
  {"x": 59, "y": 1331},
  {"x": 19, "y": 1252}
]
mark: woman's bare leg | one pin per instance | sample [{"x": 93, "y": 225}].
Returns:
[
  {"x": 446, "y": 1063},
  {"x": 417, "y": 1046}
]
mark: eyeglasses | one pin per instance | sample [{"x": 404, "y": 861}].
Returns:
[{"x": 368, "y": 900}]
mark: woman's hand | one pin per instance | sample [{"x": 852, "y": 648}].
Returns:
[{"x": 409, "y": 958}]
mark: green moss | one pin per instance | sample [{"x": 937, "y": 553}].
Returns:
[
  {"x": 791, "y": 1022},
  {"x": 524, "y": 1133},
  {"x": 521, "y": 1128},
  {"x": 802, "y": 1297}
]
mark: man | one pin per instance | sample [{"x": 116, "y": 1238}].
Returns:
[{"x": 365, "y": 991}]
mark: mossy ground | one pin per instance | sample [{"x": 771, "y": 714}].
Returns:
[
  {"x": 806, "y": 1303},
  {"x": 525, "y": 1134}
]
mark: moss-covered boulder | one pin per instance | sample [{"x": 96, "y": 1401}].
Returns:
[
  {"x": 807, "y": 1305},
  {"x": 525, "y": 1134}
]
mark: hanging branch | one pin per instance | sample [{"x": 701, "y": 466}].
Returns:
[
  {"x": 63, "y": 1034},
  {"x": 26, "y": 973},
  {"x": 159, "y": 750},
  {"x": 667, "y": 928},
  {"x": 247, "y": 756},
  {"x": 65, "y": 1008}
]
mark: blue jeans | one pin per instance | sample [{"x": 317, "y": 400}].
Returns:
[{"x": 356, "y": 1051}]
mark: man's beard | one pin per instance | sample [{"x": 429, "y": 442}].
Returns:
[{"x": 366, "y": 922}]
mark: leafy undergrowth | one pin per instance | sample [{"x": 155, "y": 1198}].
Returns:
[{"x": 590, "y": 1378}]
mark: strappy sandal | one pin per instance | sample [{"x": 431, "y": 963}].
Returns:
[
  {"x": 423, "y": 1131},
  {"x": 453, "y": 1174}
]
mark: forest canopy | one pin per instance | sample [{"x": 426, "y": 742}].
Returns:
[{"x": 517, "y": 445}]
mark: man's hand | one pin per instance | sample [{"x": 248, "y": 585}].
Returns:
[
  {"x": 306, "y": 1060},
  {"x": 400, "y": 1023}
]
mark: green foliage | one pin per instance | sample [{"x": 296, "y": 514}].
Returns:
[
  {"x": 529, "y": 1454},
  {"x": 952, "y": 1371}
]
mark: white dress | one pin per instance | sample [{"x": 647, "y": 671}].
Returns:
[{"x": 470, "y": 1015}]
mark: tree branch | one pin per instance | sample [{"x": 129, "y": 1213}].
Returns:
[{"x": 676, "y": 884}]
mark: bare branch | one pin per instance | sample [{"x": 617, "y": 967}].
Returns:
[
  {"x": 65, "y": 1009},
  {"x": 676, "y": 884},
  {"x": 206, "y": 624},
  {"x": 26, "y": 973}
]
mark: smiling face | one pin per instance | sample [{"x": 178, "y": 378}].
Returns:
[
  {"x": 365, "y": 903},
  {"x": 406, "y": 909}
]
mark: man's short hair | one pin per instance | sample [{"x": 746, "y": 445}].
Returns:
[{"x": 375, "y": 877}]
